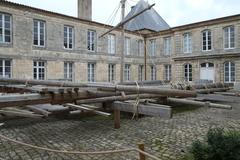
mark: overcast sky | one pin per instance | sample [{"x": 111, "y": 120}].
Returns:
[{"x": 175, "y": 12}]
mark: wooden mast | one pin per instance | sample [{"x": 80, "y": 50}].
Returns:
[{"x": 123, "y": 2}]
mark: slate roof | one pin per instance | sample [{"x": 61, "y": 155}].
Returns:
[{"x": 150, "y": 19}]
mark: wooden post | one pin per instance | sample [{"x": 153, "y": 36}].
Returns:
[
  {"x": 141, "y": 147},
  {"x": 116, "y": 119}
]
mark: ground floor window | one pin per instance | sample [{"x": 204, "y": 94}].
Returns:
[
  {"x": 111, "y": 72},
  {"x": 127, "y": 72},
  {"x": 168, "y": 72},
  {"x": 188, "y": 72},
  {"x": 91, "y": 72},
  {"x": 68, "y": 71},
  {"x": 5, "y": 68},
  {"x": 39, "y": 69},
  {"x": 140, "y": 72},
  {"x": 229, "y": 72},
  {"x": 153, "y": 73}
]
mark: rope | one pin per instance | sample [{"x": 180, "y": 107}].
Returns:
[
  {"x": 135, "y": 107},
  {"x": 77, "y": 152}
]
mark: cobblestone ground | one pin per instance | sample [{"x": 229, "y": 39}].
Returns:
[{"x": 167, "y": 139}]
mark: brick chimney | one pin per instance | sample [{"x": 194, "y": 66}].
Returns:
[{"x": 85, "y": 9}]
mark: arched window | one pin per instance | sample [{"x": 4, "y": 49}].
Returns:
[
  {"x": 229, "y": 72},
  {"x": 188, "y": 72}
]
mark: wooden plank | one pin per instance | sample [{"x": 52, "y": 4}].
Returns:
[
  {"x": 155, "y": 110},
  {"x": 87, "y": 109}
]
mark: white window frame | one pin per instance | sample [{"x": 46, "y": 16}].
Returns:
[
  {"x": 69, "y": 38},
  {"x": 140, "y": 48},
  {"x": 3, "y": 34},
  {"x": 39, "y": 33},
  {"x": 167, "y": 46},
  {"x": 111, "y": 72},
  {"x": 168, "y": 72},
  {"x": 127, "y": 72},
  {"x": 111, "y": 44},
  {"x": 208, "y": 43},
  {"x": 230, "y": 76},
  {"x": 127, "y": 46},
  {"x": 152, "y": 47},
  {"x": 153, "y": 75},
  {"x": 227, "y": 35},
  {"x": 91, "y": 40},
  {"x": 188, "y": 76},
  {"x": 187, "y": 43},
  {"x": 68, "y": 71},
  {"x": 141, "y": 72},
  {"x": 91, "y": 72},
  {"x": 3, "y": 66},
  {"x": 39, "y": 67}
]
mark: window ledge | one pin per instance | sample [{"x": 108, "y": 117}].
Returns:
[
  {"x": 6, "y": 45},
  {"x": 39, "y": 47}
]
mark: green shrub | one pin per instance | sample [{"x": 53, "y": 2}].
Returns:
[{"x": 219, "y": 145}]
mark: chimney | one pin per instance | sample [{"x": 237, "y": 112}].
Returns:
[{"x": 85, "y": 9}]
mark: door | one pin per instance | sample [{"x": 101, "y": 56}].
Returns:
[{"x": 207, "y": 71}]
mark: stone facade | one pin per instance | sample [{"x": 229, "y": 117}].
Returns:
[{"x": 22, "y": 52}]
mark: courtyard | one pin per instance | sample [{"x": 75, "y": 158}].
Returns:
[{"x": 166, "y": 139}]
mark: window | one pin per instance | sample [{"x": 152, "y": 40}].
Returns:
[
  {"x": 111, "y": 72},
  {"x": 140, "y": 72},
  {"x": 229, "y": 37},
  {"x": 127, "y": 45},
  {"x": 229, "y": 72},
  {"x": 39, "y": 70},
  {"x": 206, "y": 40},
  {"x": 188, "y": 72},
  {"x": 5, "y": 68},
  {"x": 39, "y": 33},
  {"x": 140, "y": 48},
  {"x": 5, "y": 28},
  {"x": 68, "y": 71},
  {"x": 152, "y": 49},
  {"x": 187, "y": 43},
  {"x": 168, "y": 72},
  {"x": 111, "y": 44},
  {"x": 127, "y": 72},
  {"x": 153, "y": 73},
  {"x": 68, "y": 37},
  {"x": 167, "y": 46},
  {"x": 91, "y": 40},
  {"x": 91, "y": 72}
]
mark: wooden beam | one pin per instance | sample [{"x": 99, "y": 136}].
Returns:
[
  {"x": 87, "y": 109},
  {"x": 196, "y": 103},
  {"x": 156, "y": 110},
  {"x": 117, "y": 116},
  {"x": 116, "y": 98},
  {"x": 150, "y": 90},
  {"x": 20, "y": 114},
  {"x": 38, "y": 110}
]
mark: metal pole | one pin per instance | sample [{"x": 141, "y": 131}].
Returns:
[{"x": 123, "y": 2}]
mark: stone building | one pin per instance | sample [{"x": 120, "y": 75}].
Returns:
[{"x": 39, "y": 44}]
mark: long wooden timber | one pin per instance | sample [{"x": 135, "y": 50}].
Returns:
[
  {"x": 117, "y": 98},
  {"x": 78, "y": 107},
  {"x": 20, "y": 114},
  {"x": 156, "y": 110},
  {"x": 212, "y": 90},
  {"x": 150, "y": 90},
  {"x": 197, "y": 103}
]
